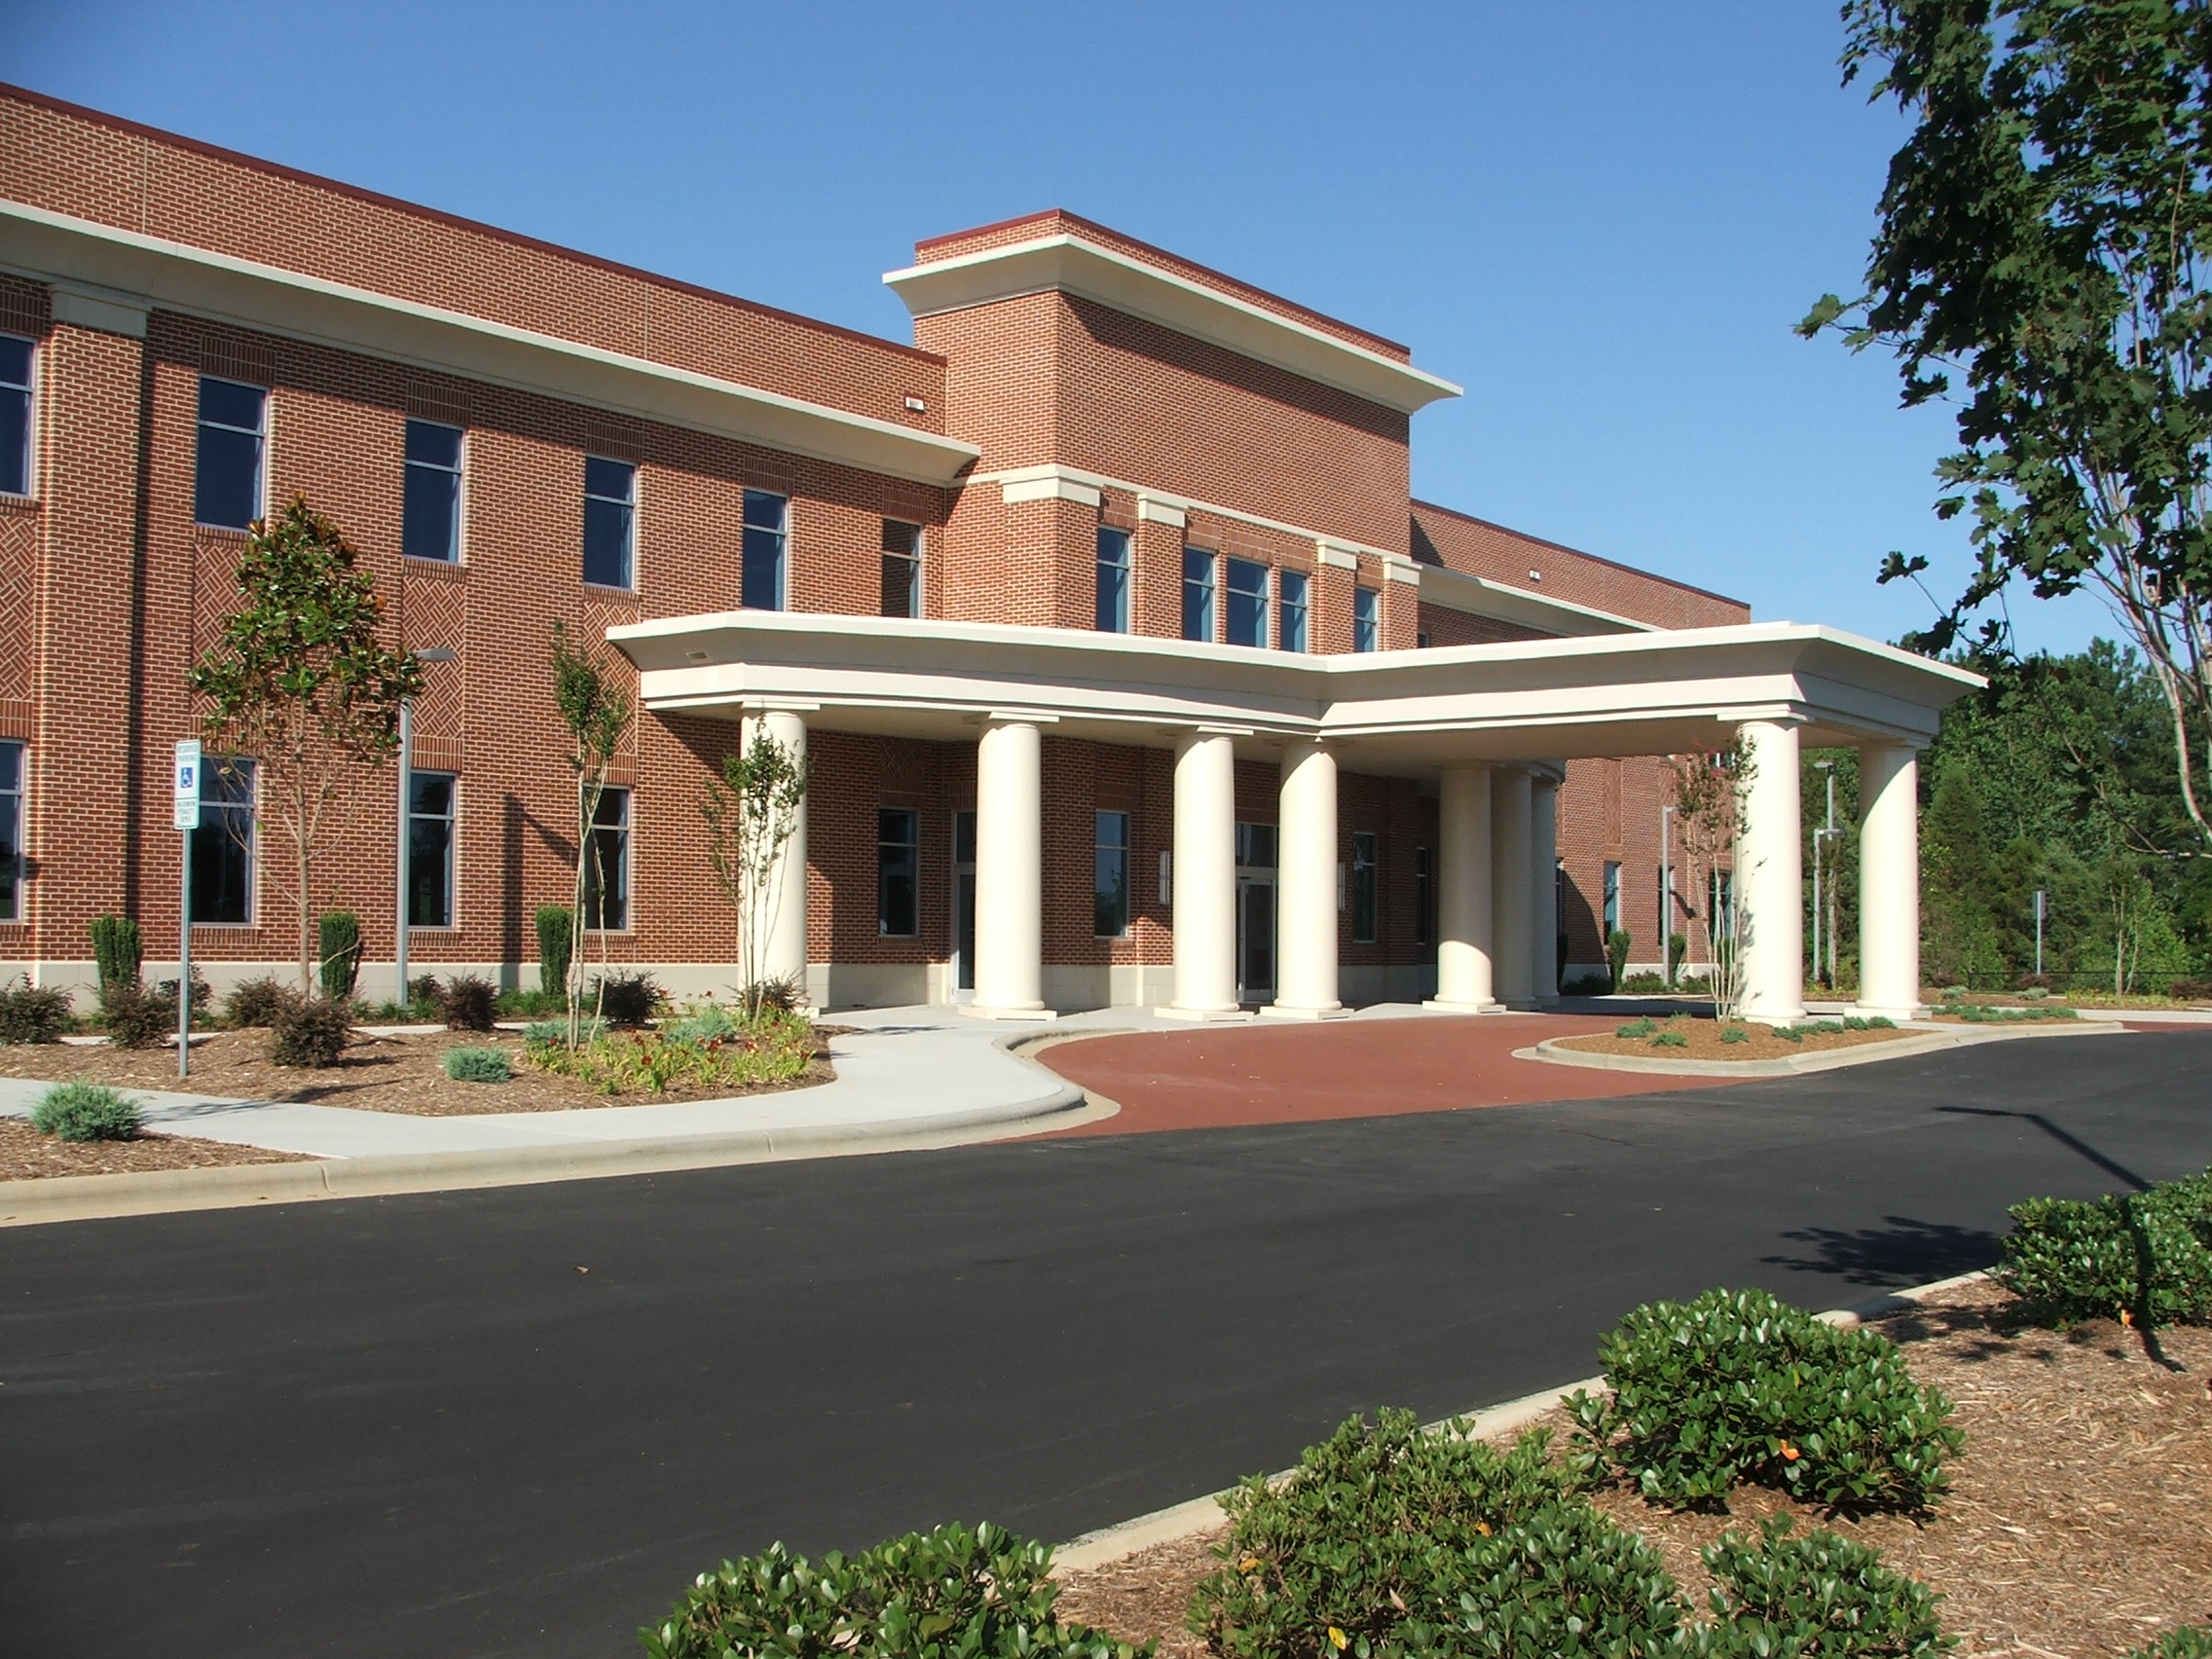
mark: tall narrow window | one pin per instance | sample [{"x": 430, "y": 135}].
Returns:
[
  {"x": 222, "y": 847},
  {"x": 11, "y": 831},
  {"x": 1110, "y": 876},
  {"x": 1364, "y": 859},
  {"x": 1425, "y": 897},
  {"x": 767, "y": 531},
  {"x": 1366, "y": 619},
  {"x": 226, "y": 488},
  {"x": 898, "y": 873},
  {"x": 1292, "y": 628},
  {"x": 607, "y": 864},
  {"x": 430, "y": 849},
  {"x": 15, "y": 415},
  {"x": 611, "y": 523},
  {"x": 1113, "y": 580},
  {"x": 1612, "y": 899},
  {"x": 1197, "y": 594},
  {"x": 902, "y": 569},
  {"x": 1247, "y": 603},
  {"x": 430, "y": 525}
]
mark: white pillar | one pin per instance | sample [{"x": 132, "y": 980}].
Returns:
[
  {"x": 1205, "y": 878},
  {"x": 1306, "y": 891},
  {"x": 1010, "y": 914},
  {"x": 1770, "y": 877},
  {"x": 1512, "y": 913},
  {"x": 786, "y": 954},
  {"x": 1888, "y": 881},
  {"x": 1463, "y": 948},
  {"x": 1544, "y": 887}
]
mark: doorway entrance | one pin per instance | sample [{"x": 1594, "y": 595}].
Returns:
[
  {"x": 1255, "y": 913},
  {"x": 963, "y": 907}
]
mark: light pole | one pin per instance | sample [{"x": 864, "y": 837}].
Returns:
[
  {"x": 436, "y": 653},
  {"x": 1665, "y": 897}
]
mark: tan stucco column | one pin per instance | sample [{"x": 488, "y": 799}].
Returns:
[
  {"x": 1512, "y": 912},
  {"x": 1770, "y": 876},
  {"x": 1306, "y": 891},
  {"x": 1543, "y": 886},
  {"x": 1204, "y": 879},
  {"x": 1463, "y": 946},
  {"x": 1010, "y": 918},
  {"x": 1888, "y": 881}
]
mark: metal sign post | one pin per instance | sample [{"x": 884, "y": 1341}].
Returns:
[
  {"x": 186, "y": 820},
  {"x": 2038, "y": 932}
]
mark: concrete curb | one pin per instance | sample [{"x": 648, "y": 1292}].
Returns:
[
  {"x": 1829, "y": 1059},
  {"x": 1110, "y": 1544}
]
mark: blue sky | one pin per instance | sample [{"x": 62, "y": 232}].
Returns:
[{"x": 1601, "y": 218}]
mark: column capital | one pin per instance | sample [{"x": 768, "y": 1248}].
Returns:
[{"x": 1019, "y": 718}]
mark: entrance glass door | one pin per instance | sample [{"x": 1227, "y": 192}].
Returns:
[
  {"x": 963, "y": 905},
  {"x": 1255, "y": 913}
]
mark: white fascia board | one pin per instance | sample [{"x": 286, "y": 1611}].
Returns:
[
  {"x": 177, "y": 277},
  {"x": 1075, "y": 265},
  {"x": 1479, "y": 596}
]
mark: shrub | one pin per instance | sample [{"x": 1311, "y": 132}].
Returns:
[
  {"x": 1678, "y": 952},
  {"x": 467, "y": 1003},
  {"x": 1588, "y": 985},
  {"x": 628, "y": 999},
  {"x": 1670, "y": 1038},
  {"x": 1871, "y": 1022},
  {"x": 774, "y": 1050},
  {"x": 1637, "y": 1028},
  {"x": 32, "y": 1014},
  {"x": 478, "y": 1065},
  {"x": 527, "y": 1005},
  {"x": 137, "y": 1017},
  {"x": 1738, "y": 1387},
  {"x": 556, "y": 946},
  {"x": 1981, "y": 1013},
  {"x": 1735, "y": 1033},
  {"x": 542, "y": 1033},
  {"x": 2148, "y": 1253},
  {"x": 980, "y": 1595},
  {"x": 86, "y": 1112},
  {"x": 2183, "y": 1642},
  {"x": 1817, "y": 1596},
  {"x": 1617, "y": 945},
  {"x": 2189, "y": 990},
  {"x": 781, "y": 994},
  {"x": 259, "y": 1002},
  {"x": 1643, "y": 983},
  {"x": 338, "y": 936},
  {"x": 117, "y": 951},
  {"x": 313, "y": 1033}
]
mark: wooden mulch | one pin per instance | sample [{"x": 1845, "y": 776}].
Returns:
[
  {"x": 26, "y": 1155},
  {"x": 2078, "y": 1524},
  {"x": 1705, "y": 1041}
]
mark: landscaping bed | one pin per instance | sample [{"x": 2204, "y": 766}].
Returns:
[
  {"x": 2077, "y": 1523},
  {"x": 26, "y": 1155},
  {"x": 1703, "y": 1038}
]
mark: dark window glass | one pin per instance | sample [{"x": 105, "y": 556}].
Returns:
[
  {"x": 1293, "y": 629},
  {"x": 607, "y": 864},
  {"x": 610, "y": 520},
  {"x": 1612, "y": 899},
  {"x": 1197, "y": 594},
  {"x": 1247, "y": 603},
  {"x": 902, "y": 569},
  {"x": 429, "y": 525},
  {"x": 15, "y": 415},
  {"x": 1256, "y": 845},
  {"x": 11, "y": 831},
  {"x": 898, "y": 873},
  {"x": 1110, "y": 876},
  {"x": 1113, "y": 580},
  {"x": 1366, "y": 619},
  {"x": 1363, "y": 906},
  {"x": 222, "y": 847},
  {"x": 1424, "y": 898},
  {"x": 767, "y": 535},
  {"x": 227, "y": 469},
  {"x": 430, "y": 849}
]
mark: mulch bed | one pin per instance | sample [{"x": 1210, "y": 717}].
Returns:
[
  {"x": 26, "y": 1155},
  {"x": 1705, "y": 1041},
  {"x": 2078, "y": 1524},
  {"x": 375, "y": 1074}
]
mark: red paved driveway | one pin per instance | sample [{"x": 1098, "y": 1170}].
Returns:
[{"x": 1269, "y": 1072}]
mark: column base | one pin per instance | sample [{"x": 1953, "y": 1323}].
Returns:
[
  {"x": 970, "y": 1010},
  {"x": 1209, "y": 1016},
  {"x": 1285, "y": 1011},
  {"x": 1773, "y": 1015},
  {"x": 1437, "y": 1005},
  {"x": 1863, "y": 1011}
]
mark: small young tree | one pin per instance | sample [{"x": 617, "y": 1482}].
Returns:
[
  {"x": 1709, "y": 793},
  {"x": 751, "y": 811},
  {"x": 300, "y": 681},
  {"x": 595, "y": 714}
]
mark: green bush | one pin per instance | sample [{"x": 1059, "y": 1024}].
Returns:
[
  {"x": 86, "y": 1112},
  {"x": 117, "y": 951},
  {"x": 948, "y": 1594},
  {"x": 528, "y": 1005},
  {"x": 1737, "y": 1387},
  {"x": 1617, "y": 945},
  {"x": 314, "y": 1033},
  {"x": 1637, "y": 1028},
  {"x": 467, "y": 1003},
  {"x": 1643, "y": 984},
  {"x": 1981, "y": 1013},
  {"x": 554, "y": 1033},
  {"x": 136, "y": 1018},
  {"x": 775, "y": 1048},
  {"x": 1670, "y": 1038},
  {"x": 478, "y": 1065},
  {"x": 1817, "y": 1596},
  {"x": 32, "y": 1014},
  {"x": 1871, "y": 1022},
  {"x": 2146, "y": 1253},
  {"x": 625, "y": 998},
  {"x": 1735, "y": 1033},
  {"x": 259, "y": 1002},
  {"x": 556, "y": 946},
  {"x": 1678, "y": 952},
  {"x": 2183, "y": 1642},
  {"x": 337, "y": 934}
]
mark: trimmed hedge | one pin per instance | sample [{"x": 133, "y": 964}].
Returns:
[{"x": 2146, "y": 1254}]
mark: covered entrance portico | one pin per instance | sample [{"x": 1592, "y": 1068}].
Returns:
[{"x": 1489, "y": 726}]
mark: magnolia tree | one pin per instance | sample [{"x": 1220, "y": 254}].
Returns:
[
  {"x": 1709, "y": 791},
  {"x": 300, "y": 683},
  {"x": 751, "y": 811},
  {"x": 595, "y": 714}
]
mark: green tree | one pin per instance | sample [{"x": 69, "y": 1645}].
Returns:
[
  {"x": 2037, "y": 261},
  {"x": 300, "y": 681},
  {"x": 595, "y": 714},
  {"x": 751, "y": 811}
]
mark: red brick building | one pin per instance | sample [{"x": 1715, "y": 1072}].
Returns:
[{"x": 1129, "y": 668}]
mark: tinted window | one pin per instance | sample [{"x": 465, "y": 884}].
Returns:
[
  {"x": 1113, "y": 580},
  {"x": 431, "y": 516},
  {"x": 222, "y": 847},
  {"x": 902, "y": 569},
  {"x": 610, "y": 510},
  {"x": 1197, "y": 594},
  {"x": 1363, "y": 905},
  {"x": 767, "y": 525},
  {"x": 11, "y": 831},
  {"x": 15, "y": 415},
  {"x": 1366, "y": 619},
  {"x": 1294, "y": 608},
  {"x": 607, "y": 865},
  {"x": 430, "y": 849},
  {"x": 1247, "y": 603},
  {"x": 898, "y": 873},
  {"x": 226, "y": 467},
  {"x": 1110, "y": 876}
]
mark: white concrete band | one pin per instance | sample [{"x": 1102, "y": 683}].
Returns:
[
  {"x": 1009, "y": 928},
  {"x": 1305, "y": 975},
  {"x": 1543, "y": 886},
  {"x": 785, "y": 956},
  {"x": 1463, "y": 949},
  {"x": 1512, "y": 914},
  {"x": 1770, "y": 876},
  {"x": 1205, "y": 876},
  {"x": 1888, "y": 881}
]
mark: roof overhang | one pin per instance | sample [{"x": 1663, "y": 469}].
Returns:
[
  {"x": 1479, "y": 596},
  {"x": 1075, "y": 265},
  {"x": 117, "y": 272}
]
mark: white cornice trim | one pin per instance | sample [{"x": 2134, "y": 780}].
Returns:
[
  {"x": 172, "y": 275},
  {"x": 1075, "y": 265}
]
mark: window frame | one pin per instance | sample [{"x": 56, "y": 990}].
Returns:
[
  {"x": 201, "y": 425},
  {"x": 1366, "y": 619},
  {"x": 782, "y": 532},
  {"x": 1287, "y": 607},
  {"x": 451, "y": 818},
  {"x": 886, "y": 871},
  {"x": 33, "y": 361},
  {"x": 1263, "y": 631},
  {"x": 456, "y": 529},
  {"x": 629, "y": 506},
  {"x": 1365, "y": 885},
  {"x": 1609, "y": 906},
  {"x": 1207, "y": 587},
  {"x": 248, "y": 846},
  {"x": 15, "y": 865},
  {"x": 1119, "y": 853},
  {"x": 1123, "y": 569},
  {"x": 913, "y": 560},
  {"x": 624, "y": 835}
]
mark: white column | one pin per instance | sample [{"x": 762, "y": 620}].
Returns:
[
  {"x": 1543, "y": 886},
  {"x": 1888, "y": 881},
  {"x": 1205, "y": 878},
  {"x": 786, "y": 954},
  {"x": 1512, "y": 913},
  {"x": 1770, "y": 877},
  {"x": 1462, "y": 894},
  {"x": 1010, "y": 912},
  {"x": 1306, "y": 891}
]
